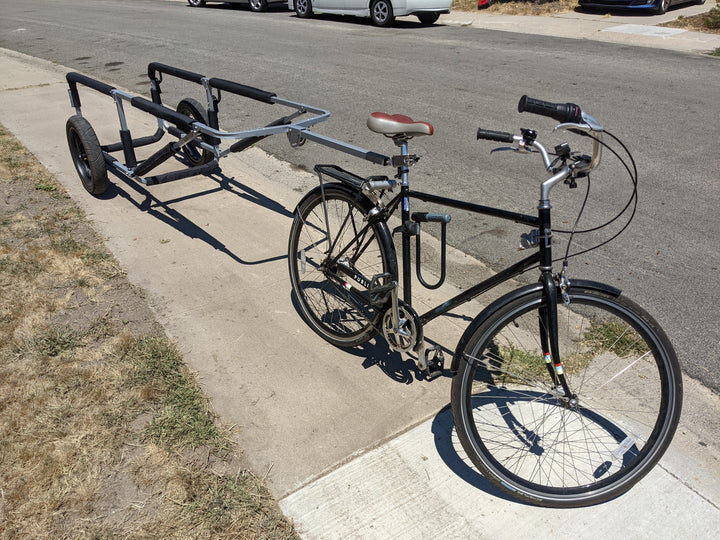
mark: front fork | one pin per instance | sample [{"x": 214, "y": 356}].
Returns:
[{"x": 548, "y": 314}]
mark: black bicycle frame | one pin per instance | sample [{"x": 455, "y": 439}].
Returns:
[
  {"x": 541, "y": 258},
  {"x": 516, "y": 269}
]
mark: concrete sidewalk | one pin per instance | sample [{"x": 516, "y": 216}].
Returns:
[
  {"x": 618, "y": 27},
  {"x": 353, "y": 445}
]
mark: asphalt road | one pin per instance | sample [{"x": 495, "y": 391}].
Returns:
[{"x": 663, "y": 104}]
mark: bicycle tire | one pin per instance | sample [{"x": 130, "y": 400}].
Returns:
[
  {"x": 335, "y": 305},
  {"x": 525, "y": 439}
]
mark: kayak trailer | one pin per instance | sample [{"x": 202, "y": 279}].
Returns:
[{"x": 194, "y": 128}]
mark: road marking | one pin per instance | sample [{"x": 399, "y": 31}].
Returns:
[{"x": 644, "y": 30}]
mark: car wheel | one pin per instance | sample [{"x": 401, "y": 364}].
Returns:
[
  {"x": 196, "y": 3},
  {"x": 428, "y": 18},
  {"x": 381, "y": 13},
  {"x": 258, "y": 5},
  {"x": 662, "y": 7},
  {"x": 303, "y": 9}
]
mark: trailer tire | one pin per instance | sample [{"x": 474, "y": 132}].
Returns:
[
  {"x": 87, "y": 155},
  {"x": 195, "y": 155}
]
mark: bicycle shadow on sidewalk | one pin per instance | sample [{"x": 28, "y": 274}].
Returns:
[
  {"x": 164, "y": 212},
  {"x": 451, "y": 452}
]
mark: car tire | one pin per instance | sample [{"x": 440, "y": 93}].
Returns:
[
  {"x": 381, "y": 13},
  {"x": 428, "y": 18},
  {"x": 258, "y": 5},
  {"x": 662, "y": 7},
  {"x": 303, "y": 9},
  {"x": 196, "y": 3}
]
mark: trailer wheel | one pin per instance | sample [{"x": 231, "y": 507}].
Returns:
[
  {"x": 195, "y": 155},
  {"x": 87, "y": 155}
]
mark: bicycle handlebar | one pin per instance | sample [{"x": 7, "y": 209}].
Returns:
[
  {"x": 562, "y": 112},
  {"x": 499, "y": 136}
]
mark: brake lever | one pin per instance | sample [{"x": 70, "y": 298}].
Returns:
[{"x": 502, "y": 148}]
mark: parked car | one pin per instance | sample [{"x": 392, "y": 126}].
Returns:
[
  {"x": 382, "y": 12},
  {"x": 658, "y": 7},
  {"x": 255, "y": 5}
]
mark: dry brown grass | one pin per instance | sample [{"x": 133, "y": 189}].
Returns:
[
  {"x": 103, "y": 431},
  {"x": 519, "y": 7}
]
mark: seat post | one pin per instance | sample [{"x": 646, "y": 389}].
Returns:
[{"x": 403, "y": 174}]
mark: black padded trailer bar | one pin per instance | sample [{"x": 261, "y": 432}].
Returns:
[
  {"x": 73, "y": 78},
  {"x": 242, "y": 90},
  {"x": 154, "y": 67},
  {"x": 180, "y": 120}
]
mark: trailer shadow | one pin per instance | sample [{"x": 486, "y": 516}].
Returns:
[{"x": 166, "y": 213}]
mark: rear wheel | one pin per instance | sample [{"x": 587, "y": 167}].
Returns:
[
  {"x": 337, "y": 264},
  {"x": 662, "y": 7},
  {"x": 196, "y": 3},
  {"x": 87, "y": 155},
  {"x": 381, "y": 13},
  {"x": 303, "y": 9},
  {"x": 193, "y": 153},
  {"x": 526, "y": 437},
  {"x": 258, "y": 5},
  {"x": 428, "y": 18}
]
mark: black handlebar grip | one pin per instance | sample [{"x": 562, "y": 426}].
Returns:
[
  {"x": 562, "y": 112},
  {"x": 242, "y": 90},
  {"x": 499, "y": 136},
  {"x": 175, "y": 72}
]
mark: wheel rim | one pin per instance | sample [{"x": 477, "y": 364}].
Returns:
[
  {"x": 301, "y": 6},
  {"x": 335, "y": 304},
  {"x": 381, "y": 12},
  {"x": 524, "y": 433},
  {"x": 256, "y": 4},
  {"x": 80, "y": 158}
]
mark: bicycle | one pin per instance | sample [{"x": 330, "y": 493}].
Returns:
[{"x": 564, "y": 393}]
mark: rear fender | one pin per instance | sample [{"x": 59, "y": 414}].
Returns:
[{"x": 364, "y": 201}]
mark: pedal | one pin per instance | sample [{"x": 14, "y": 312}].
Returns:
[
  {"x": 435, "y": 364},
  {"x": 379, "y": 292}
]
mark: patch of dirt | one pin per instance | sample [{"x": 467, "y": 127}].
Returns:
[{"x": 694, "y": 23}]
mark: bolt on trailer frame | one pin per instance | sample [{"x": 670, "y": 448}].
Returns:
[{"x": 196, "y": 129}]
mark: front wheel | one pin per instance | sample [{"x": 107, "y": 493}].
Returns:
[
  {"x": 87, "y": 155},
  {"x": 303, "y": 9},
  {"x": 196, "y": 3},
  {"x": 527, "y": 437},
  {"x": 381, "y": 13},
  {"x": 340, "y": 265}
]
